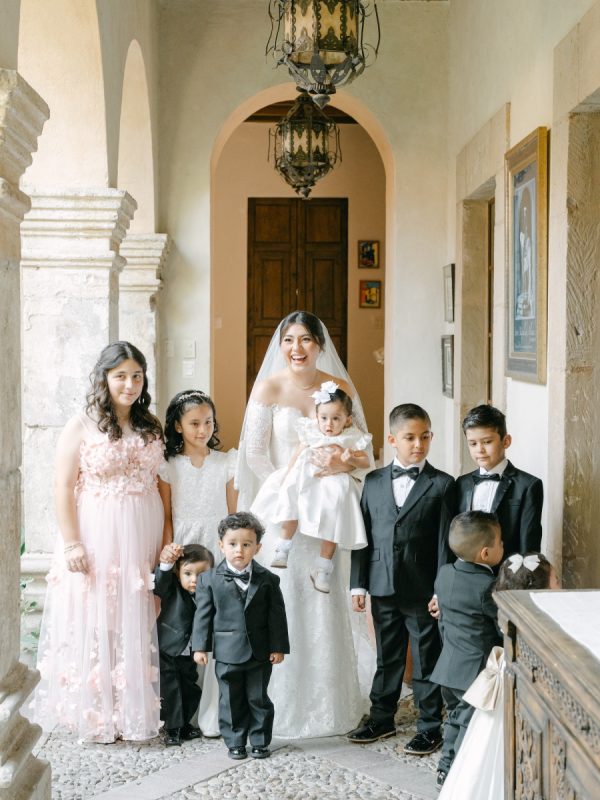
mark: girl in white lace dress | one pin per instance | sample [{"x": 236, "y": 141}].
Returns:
[
  {"x": 327, "y": 508},
  {"x": 316, "y": 690},
  {"x": 98, "y": 652},
  {"x": 196, "y": 485}
]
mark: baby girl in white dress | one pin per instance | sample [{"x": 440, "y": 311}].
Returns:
[{"x": 326, "y": 508}]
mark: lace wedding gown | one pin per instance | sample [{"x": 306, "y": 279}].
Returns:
[
  {"x": 316, "y": 689},
  {"x": 98, "y": 651}
]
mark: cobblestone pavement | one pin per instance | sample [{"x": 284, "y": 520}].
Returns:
[{"x": 309, "y": 769}]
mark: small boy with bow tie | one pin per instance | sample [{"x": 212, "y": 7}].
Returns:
[
  {"x": 407, "y": 508},
  {"x": 498, "y": 487},
  {"x": 240, "y": 616}
]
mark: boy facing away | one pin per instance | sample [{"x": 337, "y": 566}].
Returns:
[
  {"x": 240, "y": 616},
  {"x": 175, "y": 583},
  {"x": 407, "y": 507},
  {"x": 514, "y": 496},
  {"x": 468, "y": 620}
]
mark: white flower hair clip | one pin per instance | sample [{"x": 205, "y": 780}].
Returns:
[
  {"x": 516, "y": 561},
  {"x": 323, "y": 395}
]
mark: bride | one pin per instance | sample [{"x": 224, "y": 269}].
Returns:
[{"x": 316, "y": 690}]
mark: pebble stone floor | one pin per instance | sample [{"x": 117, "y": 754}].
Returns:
[{"x": 308, "y": 769}]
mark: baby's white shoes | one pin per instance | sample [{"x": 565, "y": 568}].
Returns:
[
  {"x": 281, "y": 558},
  {"x": 321, "y": 580}
]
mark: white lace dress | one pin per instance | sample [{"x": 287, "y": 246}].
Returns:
[
  {"x": 198, "y": 504},
  {"x": 316, "y": 690}
]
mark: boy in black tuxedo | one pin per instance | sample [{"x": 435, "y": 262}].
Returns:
[
  {"x": 514, "y": 496},
  {"x": 468, "y": 620},
  {"x": 407, "y": 507},
  {"x": 240, "y": 615},
  {"x": 175, "y": 581}
]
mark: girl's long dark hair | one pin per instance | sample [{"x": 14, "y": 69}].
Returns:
[
  {"x": 178, "y": 406},
  {"x": 99, "y": 403}
]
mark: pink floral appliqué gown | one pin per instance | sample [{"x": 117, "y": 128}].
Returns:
[{"x": 98, "y": 651}]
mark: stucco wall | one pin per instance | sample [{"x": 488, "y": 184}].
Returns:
[{"x": 9, "y": 34}]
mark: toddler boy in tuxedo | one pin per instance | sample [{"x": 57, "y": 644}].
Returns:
[
  {"x": 407, "y": 507},
  {"x": 514, "y": 496},
  {"x": 240, "y": 616},
  {"x": 175, "y": 581},
  {"x": 468, "y": 620}
]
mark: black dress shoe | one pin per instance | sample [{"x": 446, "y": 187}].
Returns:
[
  {"x": 260, "y": 752},
  {"x": 440, "y": 778},
  {"x": 371, "y": 731},
  {"x": 172, "y": 737},
  {"x": 190, "y": 732},
  {"x": 237, "y": 753},
  {"x": 424, "y": 743}
]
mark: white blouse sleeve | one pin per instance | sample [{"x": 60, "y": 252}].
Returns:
[
  {"x": 231, "y": 462},
  {"x": 164, "y": 472},
  {"x": 259, "y": 423}
]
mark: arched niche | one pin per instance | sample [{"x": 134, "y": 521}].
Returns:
[
  {"x": 228, "y": 246},
  {"x": 59, "y": 54},
  {"x": 135, "y": 171}
]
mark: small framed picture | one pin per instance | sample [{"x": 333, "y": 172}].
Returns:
[
  {"x": 368, "y": 254},
  {"x": 448, "y": 366},
  {"x": 369, "y": 295},
  {"x": 449, "y": 292}
]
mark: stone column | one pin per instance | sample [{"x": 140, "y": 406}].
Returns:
[
  {"x": 22, "y": 117},
  {"x": 139, "y": 285},
  {"x": 70, "y": 288}
]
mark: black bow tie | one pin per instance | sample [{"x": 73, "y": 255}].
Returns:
[
  {"x": 398, "y": 472},
  {"x": 493, "y": 476},
  {"x": 244, "y": 577}
]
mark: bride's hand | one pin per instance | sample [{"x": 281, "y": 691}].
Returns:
[{"x": 329, "y": 461}]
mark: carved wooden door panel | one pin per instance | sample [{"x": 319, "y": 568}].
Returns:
[{"x": 297, "y": 259}]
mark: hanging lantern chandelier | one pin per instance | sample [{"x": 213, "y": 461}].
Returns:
[
  {"x": 321, "y": 42},
  {"x": 305, "y": 145}
]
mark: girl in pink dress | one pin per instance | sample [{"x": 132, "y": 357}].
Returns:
[{"x": 98, "y": 653}]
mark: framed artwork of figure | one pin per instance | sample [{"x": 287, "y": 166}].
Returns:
[
  {"x": 369, "y": 295},
  {"x": 527, "y": 257},
  {"x": 368, "y": 254}
]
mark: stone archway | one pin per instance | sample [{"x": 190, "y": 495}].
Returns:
[{"x": 228, "y": 251}]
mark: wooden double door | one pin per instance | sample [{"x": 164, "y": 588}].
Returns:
[{"x": 297, "y": 259}]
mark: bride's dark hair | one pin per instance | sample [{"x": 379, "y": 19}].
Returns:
[
  {"x": 309, "y": 321},
  {"x": 99, "y": 403}
]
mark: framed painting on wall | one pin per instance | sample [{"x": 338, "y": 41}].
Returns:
[
  {"x": 369, "y": 295},
  {"x": 448, "y": 366},
  {"x": 527, "y": 257},
  {"x": 368, "y": 254}
]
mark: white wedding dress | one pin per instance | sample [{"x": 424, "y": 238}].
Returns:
[{"x": 316, "y": 689}]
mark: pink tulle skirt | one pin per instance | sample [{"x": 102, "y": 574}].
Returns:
[{"x": 98, "y": 652}]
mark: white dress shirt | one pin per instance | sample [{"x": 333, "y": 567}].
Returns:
[
  {"x": 404, "y": 483},
  {"x": 484, "y": 493},
  {"x": 241, "y": 584}
]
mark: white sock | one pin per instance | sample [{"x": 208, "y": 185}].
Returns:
[
  {"x": 284, "y": 544},
  {"x": 325, "y": 564}
]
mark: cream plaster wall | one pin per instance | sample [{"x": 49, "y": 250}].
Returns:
[
  {"x": 242, "y": 172},
  {"x": 208, "y": 70},
  {"x": 504, "y": 53}
]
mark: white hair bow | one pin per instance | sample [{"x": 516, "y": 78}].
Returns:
[
  {"x": 516, "y": 561},
  {"x": 323, "y": 395}
]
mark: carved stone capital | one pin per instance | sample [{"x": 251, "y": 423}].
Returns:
[
  {"x": 22, "y": 117},
  {"x": 145, "y": 255}
]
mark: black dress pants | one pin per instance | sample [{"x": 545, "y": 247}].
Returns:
[
  {"x": 245, "y": 710},
  {"x": 179, "y": 690},
  {"x": 395, "y": 625}
]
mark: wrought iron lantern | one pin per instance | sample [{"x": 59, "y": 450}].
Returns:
[
  {"x": 321, "y": 42},
  {"x": 305, "y": 145}
]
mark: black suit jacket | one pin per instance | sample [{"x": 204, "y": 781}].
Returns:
[
  {"x": 420, "y": 527},
  {"x": 177, "y": 608},
  {"x": 517, "y": 504},
  {"x": 468, "y": 623},
  {"x": 237, "y": 628}
]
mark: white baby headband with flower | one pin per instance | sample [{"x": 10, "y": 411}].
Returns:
[
  {"x": 516, "y": 561},
  {"x": 324, "y": 394}
]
